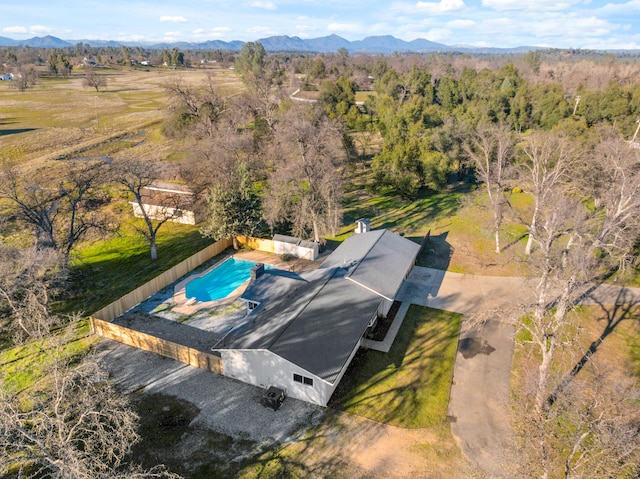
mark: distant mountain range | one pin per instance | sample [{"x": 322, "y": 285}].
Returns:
[{"x": 386, "y": 44}]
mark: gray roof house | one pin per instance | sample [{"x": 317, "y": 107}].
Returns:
[{"x": 304, "y": 329}]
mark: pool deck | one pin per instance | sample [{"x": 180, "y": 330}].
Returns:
[{"x": 189, "y": 306}]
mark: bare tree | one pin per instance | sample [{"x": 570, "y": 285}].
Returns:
[
  {"x": 579, "y": 242},
  {"x": 590, "y": 431},
  {"x": 549, "y": 162},
  {"x": 262, "y": 75},
  {"x": 560, "y": 217},
  {"x": 578, "y": 247},
  {"x": 29, "y": 279},
  {"x": 135, "y": 176},
  {"x": 25, "y": 79},
  {"x": 305, "y": 186},
  {"x": 606, "y": 241},
  {"x": 604, "y": 440},
  {"x": 60, "y": 214},
  {"x": 75, "y": 427},
  {"x": 197, "y": 110},
  {"x": 92, "y": 79},
  {"x": 490, "y": 151}
]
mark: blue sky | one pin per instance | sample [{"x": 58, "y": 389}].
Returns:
[{"x": 592, "y": 24}]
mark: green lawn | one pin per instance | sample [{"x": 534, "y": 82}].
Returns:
[
  {"x": 106, "y": 270},
  {"x": 409, "y": 386},
  {"x": 23, "y": 366}
]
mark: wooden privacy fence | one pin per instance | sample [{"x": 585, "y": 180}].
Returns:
[
  {"x": 154, "y": 344},
  {"x": 138, "y": 295},
  {"x": 102, "y": 321},
  {"x": 258, "y": 244}
]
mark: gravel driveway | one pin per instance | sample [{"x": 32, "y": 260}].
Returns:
[{"x": 226, "y": 405}]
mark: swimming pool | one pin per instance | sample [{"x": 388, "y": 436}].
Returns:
[{"x": 220, "y": 281}]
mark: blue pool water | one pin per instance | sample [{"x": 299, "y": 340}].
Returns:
[{"x": 220, "y": 281}]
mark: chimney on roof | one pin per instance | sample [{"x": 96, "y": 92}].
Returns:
[
  {"x": 256, "y": 271},
  {"x": 363, "y": 225}
]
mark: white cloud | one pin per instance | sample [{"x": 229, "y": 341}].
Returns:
[
  {"x": 574, "y": 26},
  {"x": 536, "y": 5},
  {"x": 620, "y": 8},
  {"x": 31, "y": 30},
  {"x": 198, "y": 31},
  {"x": 461, "y": 24},
  {"x": 441, "y": 7},
  {"x": 15, "y": 29},
  {"x": 265, "y": 5},
  {"x": 40, "y": 30},
  {"x": 173, "y": 19}
]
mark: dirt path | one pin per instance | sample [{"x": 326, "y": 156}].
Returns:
[{"x": 354, "y": 447}]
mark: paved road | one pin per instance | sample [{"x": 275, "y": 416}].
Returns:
[{"x": 479, "y": 405}]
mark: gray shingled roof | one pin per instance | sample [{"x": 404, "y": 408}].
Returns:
[
  {"x": 316, "y": 318},
  {"x": 385, "y": 265}
]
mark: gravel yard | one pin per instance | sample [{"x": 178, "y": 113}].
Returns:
[{"x": 226, "y": 405}]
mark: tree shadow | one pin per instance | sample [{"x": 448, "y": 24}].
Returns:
[
  {"x": 515, "y": 241},
  {"x": 625, "y": 308},
  {"x": 395, "y": 384},
  {"x": 16, "y": 131},
  {"x": 387, "y": 210}
]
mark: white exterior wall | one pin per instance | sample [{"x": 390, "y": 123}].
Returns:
[
  {"x": 161, "y": 212},
  {"x": 281, "y": 247},
  {"x": 263, "y": 368}
]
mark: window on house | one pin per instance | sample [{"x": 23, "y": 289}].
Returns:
[{"x": 303, "y": 379}]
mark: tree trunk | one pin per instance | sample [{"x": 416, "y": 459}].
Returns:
[
  {"x": 316, "y": 235},
  {"x": 154, "y": 251},
  {"x": 532, "y": 229},
  {"x": 564, "y": 303},
  {"x": 541, "y": 295},
  {"x": 527, "y": 249},
  {"x": 543, "y": 373},
  {"x": 236, "y": 246},
  {"x": 497, "y": 234}
]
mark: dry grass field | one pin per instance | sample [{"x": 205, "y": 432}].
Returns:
[{"x": 61, "y": 119}]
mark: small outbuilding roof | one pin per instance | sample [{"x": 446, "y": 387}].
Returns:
[{"x": 168, "y": 195}]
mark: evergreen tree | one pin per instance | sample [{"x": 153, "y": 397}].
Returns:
[{"x": 233, "y": 208}]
